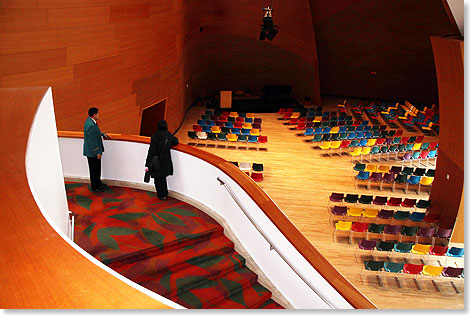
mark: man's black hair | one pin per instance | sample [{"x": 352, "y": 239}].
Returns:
[{"x": 92, "y": 111}]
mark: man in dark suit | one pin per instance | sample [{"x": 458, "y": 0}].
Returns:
[{"x": 93, "y": 148}]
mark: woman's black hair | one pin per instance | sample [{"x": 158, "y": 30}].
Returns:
[{"x": 162, "y": 125}]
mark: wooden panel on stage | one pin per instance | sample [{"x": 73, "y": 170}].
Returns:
[{"x": 225, "y": 99}]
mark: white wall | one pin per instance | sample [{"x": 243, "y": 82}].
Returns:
[
  {"x": 44, "y": 166},
  {"x": 197, "y": 179}
]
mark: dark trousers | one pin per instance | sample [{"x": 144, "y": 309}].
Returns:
[
  {"x": 161, "y": 187},
  {"x": 94, "y": 165}
]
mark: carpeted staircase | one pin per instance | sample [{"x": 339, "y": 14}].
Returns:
[{"x": 169, "y": 247}]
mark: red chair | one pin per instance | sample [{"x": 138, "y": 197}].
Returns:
[
  {"x": 197, "y": 128},
  {"x": 394, "y": 202},
  {"x": 257, "y": 177},
  {"x": 282, "y": 110},
  {"x": 408, "y": 203},
  {"x": 301, "y": 125},
  {"x": 399, "y": 133},
  {"x": 419, "y": 139},
  {"x": 358, "y": 227},
  {"x": 344, "y": 145},
  {"x": 432, "y": 218},
  {"x": 237, "y": 125},
  {"x": 414, "y": 270},
  {"x": 262, "y": 140},
  {"x": 240, "y": 119}
]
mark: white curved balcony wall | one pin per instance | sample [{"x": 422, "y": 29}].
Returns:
[
  {"x": 197, "y": 179},
  {"x": 44, "y": 168}
]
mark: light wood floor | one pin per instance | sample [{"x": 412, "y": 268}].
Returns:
[{"x": 299, "y": 180}]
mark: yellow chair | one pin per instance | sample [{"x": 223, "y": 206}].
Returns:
[
  {"x": 357, "y": 152},
  {"x": 295, "y": 115},
  {"x": 371, "y": 168},
  {"x": 420, "y": 249},
  {"x": 335, "y": 145},
  {"x": 254, "y": 132},
  {"x": 425, "y": 181},
  {"x": 365, "y": 151},
  {"x": 334, "y": 130},
  {"x": 432, "y": 271},
  {"x": 246, "y": 126},
  {"x": 318, "y": 119},
  {"x": 383, "y": 169},
  {"x": 215, "y": 129},
  {"x": 233, "y": 138},
  {"x": 354, "y": 212},
  {"x": 342, "y": 226},
  {"x": 428, "y": 127},
  {"x": 417, "y": 146},
  {"x": 371, "y": 142},
  {"x": 326, "y": 145},
  {"x": 233, "y": 114},
  {"x": 370, "y": 213},
  {"x": 250, "y": 115}
]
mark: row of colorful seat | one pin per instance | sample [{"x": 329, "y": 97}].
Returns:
[{"x": 225, "y": 138}]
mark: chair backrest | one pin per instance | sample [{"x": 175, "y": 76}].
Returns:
[
  {"x": 393, "y": 267},
  {"x": 366, "y": 150},
  {"x": 432, "y": 154},
  {"x": 257, "y": 177},
  {"x": 414, "y": 180},
  {"x": 258, "y": 167},
  {"x": 232, "y": 137},
  {"x": 252, "y": 138},
  {"x": 262, "y": 139},
  {"x": 421, "y": 249},
  {"x": 222, "y": 136},
  {"x": 192, "y": 134},
  {"x": 455, "y": 252},
  {"x": 443, "y": 233},
  {"x": 254, "y": 132},
  {"x": 434, "y": 271},
  {"x": 392, "y": 229},
  {"x": 343, "y": 225},
  {"x": 412, "y": 269}
]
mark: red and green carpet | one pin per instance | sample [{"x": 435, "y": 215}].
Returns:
[{"x": 169, "y": 247}]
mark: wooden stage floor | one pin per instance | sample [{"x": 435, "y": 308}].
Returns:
[{"x": 299, "y": 180}]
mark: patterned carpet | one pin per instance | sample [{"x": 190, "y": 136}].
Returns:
[{"x": 169, "y": 247}]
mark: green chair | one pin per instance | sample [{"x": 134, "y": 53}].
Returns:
[
  {"x": 375, "y": 150},
  {"x": 351, "y": 198},
  {"x": 326, "y": 137},
  {"x": 359, "y": 167},
  {"x": 412, "y": 139},
  {"x": 343, "y": 136},
  {"x": 375, "y": 229},
  {"x": 334, "y": 137},
  {"x": 423, "y": 204},
  {"x": 373, "y": 265},
  {"x": 222, "y": 137},
  {"x": 401, "y": 215},
  {"x": 403, "y": 248},
  {"x": 408, "y": 231},
  {"x": 395, "y": 268},
  {"x": 317, "y": 138},
  {"x": 243, "y": 138},
  {"x": 366, "y": 199},
  {"x": 400, "y": 179}
]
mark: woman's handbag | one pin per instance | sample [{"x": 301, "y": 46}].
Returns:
[
  {"x": 154, "y": 163},
  {"x": 147, "y": 176}
]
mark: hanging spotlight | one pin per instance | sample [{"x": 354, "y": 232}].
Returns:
[{"x": 268, "y": 29}]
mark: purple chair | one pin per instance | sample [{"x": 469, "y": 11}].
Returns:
[
  {"x": 424, "y": 232},
  {"x": 375, "y": 177},
  {"x": 452, "y": 272},
  {"x": 340, "y": 210},
  {"x": 406, "y": 158},
  {"x": 408, "y": 203},
  {"x": 392, "y": 230},
  {"x": 257, "y": 120},
  {"x": 385, "y": 214},
  {"x": 442, "y": 234},
  {"x": 395, "y": 170},
  {"x": 336, "y": 197},
  {"x": 388, "y": 141},
  {"x": 380, "y": 200},
  {"x": 388, "y": 178},
  {"x": 366, "y": 245}
]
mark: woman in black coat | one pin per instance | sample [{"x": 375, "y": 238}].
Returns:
[{"x": 160, "y": 145}]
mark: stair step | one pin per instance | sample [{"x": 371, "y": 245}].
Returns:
[
  {"x": 213, "y": 292},
  {"x": 270, "y": 304},
  {"x": 174, "y": 260},
  {"x": 251, "y": 297},
  {"x": 184, "y": 240}
]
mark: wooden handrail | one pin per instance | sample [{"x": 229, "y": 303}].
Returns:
[
  {"x": 295, "y": 237},
  {"x": 39, "y": 268}
]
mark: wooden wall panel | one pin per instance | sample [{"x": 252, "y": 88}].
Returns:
[
  {"x": 95, "y": 51},
  {"x": 18, "y": 4},
  {"x": 446, "y": 192},
  {"x": 21, "y": 42},
  {"x": 77, "y": 36},
  {"x": 70, "y": 3},
  {"x": 33, "y": 61},
  {"x": 23, "y": 20},
  {"x": 128, "y": 12},
  {"x": 98, "y": 67},
  {"x": 110, "y": 95},
  {"x": 103, "y": 82},
  {"x": 120, "y": 115},
  {"x": 391, "y": 38},
  {"x": 49, "y": 77},
  {"x": 71, "y": 17}
]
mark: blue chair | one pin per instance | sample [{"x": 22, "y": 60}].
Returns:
[
  {"x": 245, "y": 131},
  {"x": 210, "y": 123},
  {"x": 362, "y": 143},
  {"x": 201, "y": 122},
  {"x": 367, "y": 128},
  {"x": 318, "y": 131},
  {"x": 352, "y": 135},
  {"x": 343, "y": 129},
  {"x": 253, "y": 139},
  {"x": 249, "y": 120},
  {"x": 235, "y": 131},
  {"x": 368, "y": 134},
  {"x": 359, "y": 134},
  {"x": 412, "y": 180},
  {"x": 455, "y": 252},
  {"x": 326, "y": 130},
  {"x": 417, "y": 216},
  {"x": 359, "y": 128},
  {"x": 308, "y": 132},
  {"x": 364, "y": 123},
  {"x": 229, "y": 124},
  {"x": 362, "y": 175},
  {"x": 206, "y": 129}
]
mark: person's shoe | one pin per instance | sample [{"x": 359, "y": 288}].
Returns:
[
  {"x": 98, "y": 190},
  {"x": 164, "y": 198},
  {"x": 103, "y": 186}
]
